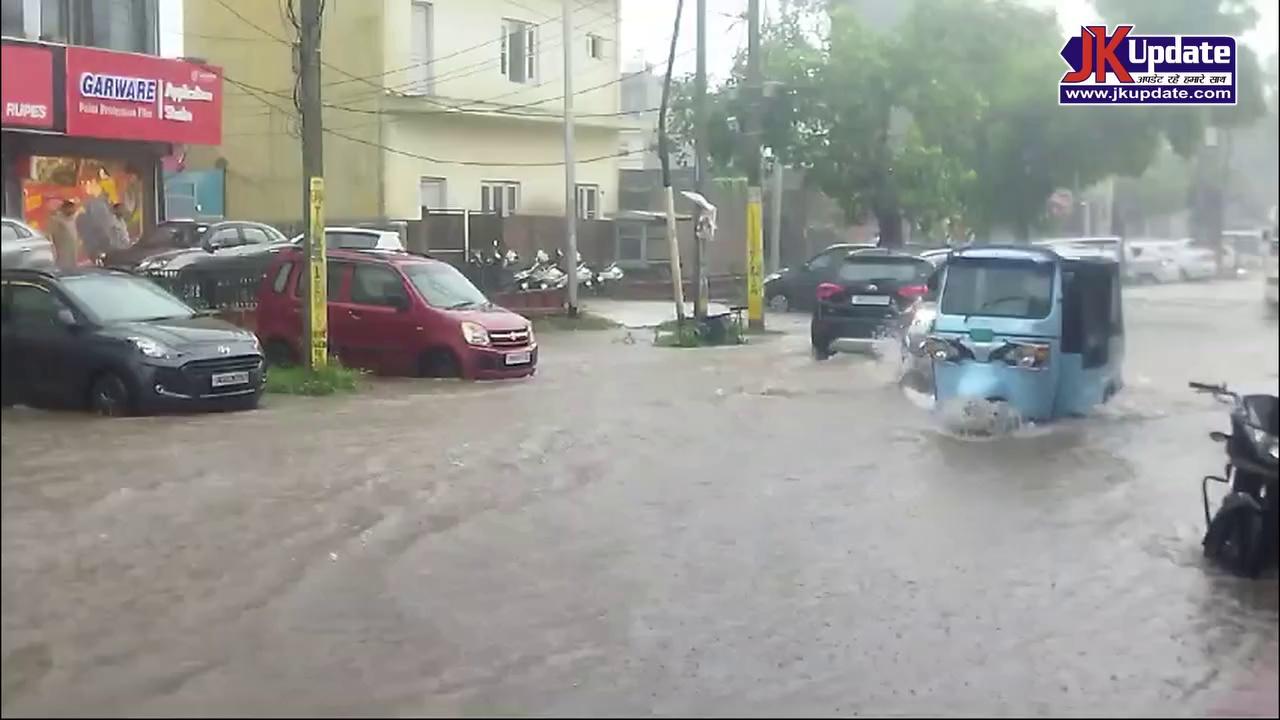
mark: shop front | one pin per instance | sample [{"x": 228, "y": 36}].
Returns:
[{"x": 94, "y": 126}]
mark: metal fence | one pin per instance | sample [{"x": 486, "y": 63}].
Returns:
[{"x": 229, "y": 288}]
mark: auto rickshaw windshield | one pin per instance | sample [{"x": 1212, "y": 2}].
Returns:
[{"x": 998, "y": 288}]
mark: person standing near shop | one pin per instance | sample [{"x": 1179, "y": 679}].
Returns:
[
  {"x": 118, "y": 235},
  {"x": 63, "y": 235}
]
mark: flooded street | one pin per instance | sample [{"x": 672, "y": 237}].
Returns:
[{"x": 645, "y": 531}]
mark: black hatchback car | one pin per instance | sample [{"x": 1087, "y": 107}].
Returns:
[
  {"x": 869, "y": 297},
  {"x": 118, "y": 344}
]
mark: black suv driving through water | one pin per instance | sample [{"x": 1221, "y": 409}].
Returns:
[{"x": 866, "y": 300}]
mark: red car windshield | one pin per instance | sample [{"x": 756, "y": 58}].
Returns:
[{"x": 442, "y": 286}]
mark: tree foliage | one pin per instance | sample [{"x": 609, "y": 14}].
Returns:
[{"x": 932, "y": 120}]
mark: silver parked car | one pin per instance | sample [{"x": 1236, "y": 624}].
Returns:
[{"x": 24, "y": 246}]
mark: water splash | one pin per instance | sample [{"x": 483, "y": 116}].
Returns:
[{"x": 981, "y": 418}]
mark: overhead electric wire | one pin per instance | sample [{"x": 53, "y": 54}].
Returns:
[
  {"x": 429, "y": 158},
  {"x": 367, "y": 78},
  {"x": 452, "y": 75}
]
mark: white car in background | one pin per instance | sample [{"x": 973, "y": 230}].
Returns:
[
  {"x": 24, "y": 246},
  {"x": 1080, "y": 247},
  {"x": 359, "y": 238},
  {"x": 1150, "y": 261},
  {"x": 1193, "y": 262}
]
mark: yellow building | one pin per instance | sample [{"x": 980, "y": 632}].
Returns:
[{"x": 450, "y": 104}]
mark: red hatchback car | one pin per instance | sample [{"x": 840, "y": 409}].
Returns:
[{"x": 397, "y": 314}]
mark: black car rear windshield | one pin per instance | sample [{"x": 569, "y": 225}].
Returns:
[
  {"x": 114, "y": 298},
  {"x": 442, "y": 286},
  {"x": 1004, "y": 288},
  {"x": 893, "y": 269}
]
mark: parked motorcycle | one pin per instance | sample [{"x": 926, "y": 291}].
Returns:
[
  {"x": 542, "y": 274},
  {"x": 1242, "y": 535},
  {"x": 608, "y": 277},
  {"x": 586, "y": 276}
]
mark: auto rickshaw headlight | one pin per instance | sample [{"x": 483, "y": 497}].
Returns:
[
  {"x": 940, "y": 349},
  {"x": 1029, "y": 356}
]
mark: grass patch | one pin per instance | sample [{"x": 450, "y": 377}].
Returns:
[
  {"x": 560, "y": 323},
  {"x": 691, "y": 333},
  {"x": 299, "y": 380}
]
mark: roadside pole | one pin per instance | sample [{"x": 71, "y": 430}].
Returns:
[
  {"x": 315, "y": 310},
  {"x": 755, "y": 230},
  {"x": 664, "y": 155},
  {"x": 775, "y": 217},
  {"x": 570, "y": 182},
  {"x": 700, "y": 287}
]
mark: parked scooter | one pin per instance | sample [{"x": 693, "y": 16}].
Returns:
[
  {"x": 542, "y": 274},
  {"x": 608, "y": 277},
  {"x": 489, "y": 270},
  {"x": 586, "y": 276},
  {"x": 1242, "y": 535}
]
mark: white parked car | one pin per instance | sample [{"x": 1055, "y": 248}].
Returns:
[
  {"x": 1194, "y": 263},
  {"x": 24, "y": 246},
  {"x": 1150, "y": 261},
  {"x": 1080, "y": 247},
  {"x": 358, "y": 238}
]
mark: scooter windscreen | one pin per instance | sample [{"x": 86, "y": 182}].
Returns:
[{"x": 1258, "y": 419}]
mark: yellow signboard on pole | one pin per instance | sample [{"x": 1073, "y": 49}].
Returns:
[
  {"x": 317, "y": 288},
  {"x": 755, "y": 260}
]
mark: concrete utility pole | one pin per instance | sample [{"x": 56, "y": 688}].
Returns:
[
  {"x": 775, "y": 216},
  {"x": 755, "y": 230},
  {"x": 570, "y": 182},
  {"x": 315, "y": 311},
  {"x": 700, "y": 288}
]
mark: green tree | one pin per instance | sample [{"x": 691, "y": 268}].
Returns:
[{"x": 1185, "y": 126}]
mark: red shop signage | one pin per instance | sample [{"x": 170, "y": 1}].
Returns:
[
  {"x": 26, "y": 86},
  {"x": 139, "y": 97}
]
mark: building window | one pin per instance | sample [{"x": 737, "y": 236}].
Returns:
[
  {"x": 630, "y": 243},
  {"x": 421, "y": 48},
  {"x": 595, "y": 47},
  {"x": 11, "y": 18},
  {"x": 588, "y": 202},
  {"x": 641, "y": 243},
  {"x": 519, "y": 51},
  {"x": 127, "y": 25},
  {"x": 432, "y": 193},
  {"x": 500, "y": 197}
]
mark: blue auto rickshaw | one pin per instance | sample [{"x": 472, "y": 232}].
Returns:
[{"x": 1028, "y": 327}]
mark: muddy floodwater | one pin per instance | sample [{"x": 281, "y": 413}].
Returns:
[{"x": 645, "y": 531}]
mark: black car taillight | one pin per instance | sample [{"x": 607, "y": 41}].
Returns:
[{"x": 826, "y": 291}]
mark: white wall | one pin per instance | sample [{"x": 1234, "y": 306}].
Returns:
[
  {"x": 466, "y": 64},
  {"x": 466, "y": 53},
  {"x": 496, "y": 141}
]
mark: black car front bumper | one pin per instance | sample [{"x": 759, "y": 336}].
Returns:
[{"x": 191, "y": 385}]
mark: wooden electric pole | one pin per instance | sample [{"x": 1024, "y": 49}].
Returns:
[{"x": 315, "y": 310}]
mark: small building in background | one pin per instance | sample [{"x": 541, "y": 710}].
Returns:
[{"x": 447, "y": 105}]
